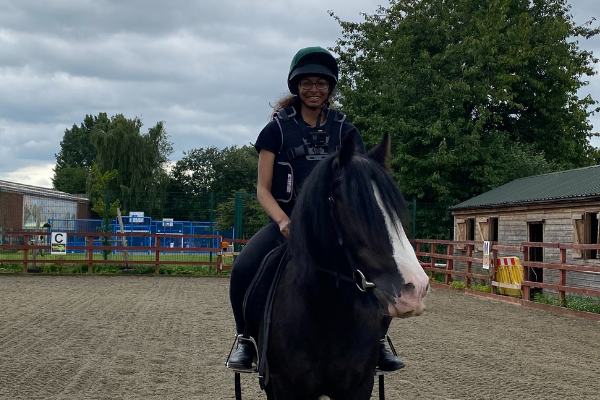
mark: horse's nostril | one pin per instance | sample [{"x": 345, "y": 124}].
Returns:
[
  {"x": 427, "y": 288},
  {"x": 410, "y": 286}
]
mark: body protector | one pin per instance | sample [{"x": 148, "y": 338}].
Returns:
[{"x": 302, "y": 147}]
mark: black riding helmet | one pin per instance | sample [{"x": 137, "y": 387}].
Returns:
[{"x": 312, "y": 61}]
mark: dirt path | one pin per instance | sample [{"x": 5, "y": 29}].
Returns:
[{"x": 84, "y": 338}]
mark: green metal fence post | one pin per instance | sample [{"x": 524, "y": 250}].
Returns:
[
  {"x": 212, "y": 231},
  {"x": 1, "y": 221},
  {"x": 238, "y": 214},
  {"x": 105, "y": 241},
  {"x": 414, "y": 212},
  {"x": 237, "y": 218}
]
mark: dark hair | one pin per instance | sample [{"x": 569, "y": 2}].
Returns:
[{"x": 288, "y": 100}]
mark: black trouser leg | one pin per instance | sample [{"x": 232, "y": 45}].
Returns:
[
  {"x": 245, "y": 266},
  {"x": 385, "y": 325}
]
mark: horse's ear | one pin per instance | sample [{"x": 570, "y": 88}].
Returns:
[
  {"x": 382, "y": 153},
  {"x": 348, "y": 148}
]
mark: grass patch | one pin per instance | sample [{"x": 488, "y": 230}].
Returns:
[
  {"x": 10, "y": 268},
  {"x": 79, "y": 263},
  {"x": 64, "y": 269},
  {"x": 439, "y": 277},
  {"x": 578, "y": 303},
  {"x": 458, "y": 284},
  {"x": 481, "y": 288}
]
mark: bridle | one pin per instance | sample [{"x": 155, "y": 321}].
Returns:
[{"x": 357, "y": 277}]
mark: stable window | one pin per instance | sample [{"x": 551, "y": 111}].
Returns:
[
  {"x": 483, "y": 231},
  {"x": 461, "y": 233},
  {"x": 493, "y": 229},
  {"x": 470, "y": 229},
  {"x": 586, "y": 231}
]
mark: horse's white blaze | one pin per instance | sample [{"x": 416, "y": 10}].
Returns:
[{"x": 410, "y": 301}]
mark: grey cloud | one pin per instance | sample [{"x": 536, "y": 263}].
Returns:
[{"x": 208, "y": 68}]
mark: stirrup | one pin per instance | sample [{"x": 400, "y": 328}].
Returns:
[{"x": 240, "y": 337}]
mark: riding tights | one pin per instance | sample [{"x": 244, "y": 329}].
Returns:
[{"x": 246, "y": 265}]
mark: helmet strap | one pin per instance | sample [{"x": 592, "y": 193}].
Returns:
[{"x": 324, "y": 108}]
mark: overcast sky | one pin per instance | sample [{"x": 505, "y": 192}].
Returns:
[{"x": 208, "y": 68}]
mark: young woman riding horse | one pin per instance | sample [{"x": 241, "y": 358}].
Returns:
[
  {"x": 303, "y": 132},
  {"x": 348, "y": 265}
]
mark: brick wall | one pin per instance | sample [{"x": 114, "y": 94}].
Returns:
[{"x": 11, "y": 211}]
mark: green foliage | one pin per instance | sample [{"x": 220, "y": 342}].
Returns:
[
  {"x": 98, "y": 192},
  {"x": 579, "y": 303},
  {"x": 439, "y": 277},
  {"x": 481, "y": 288},
  {"x": 143, "y": 269},
  {"x": 219, "y": 171},
  {"x": 77, "y": 155},
  {"x": 458, "y": 284},
  {"x": 70, "y": 179},
  {"x": 253, "y": 215},
  {"x": 10, "y": 268},
  {"x": 202, "y": 171},
  {"x": 106, "y": 269},
  {"x": 65, "y": 269},
  {"x": 140, "y": 160},
  {"x": 474, "y": 94},
  {"x": 203, "y": 270}
]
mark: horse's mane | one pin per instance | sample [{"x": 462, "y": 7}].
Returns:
[{"x": 313, "y": 240}]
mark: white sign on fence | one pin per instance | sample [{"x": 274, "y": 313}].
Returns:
[
  {"x": 58, "y": 243},
  {"x": 136, "y": 217},
  {"x": 168, "y": 222},
  {"x": 486, "y": 254}
]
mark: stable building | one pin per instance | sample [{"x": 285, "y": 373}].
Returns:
[
  {"x": 25, "y": 207},
  {"x": 558, "y": 207}
]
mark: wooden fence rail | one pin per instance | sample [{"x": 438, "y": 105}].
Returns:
[
  {"x": 97, "y": 243},
  {"x": 497, "y": 251},
  {"x": 220, "y": 247}
]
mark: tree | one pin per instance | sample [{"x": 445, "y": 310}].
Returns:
[
  {"x": 474, "y": 93},
  {"x": 98, "y": 193},
  {"x": 253, "y": 216},
  {"x": 77, "y": 155},
  {"x": 205, "y": 170},
  {"x": 140, "y": 160}
]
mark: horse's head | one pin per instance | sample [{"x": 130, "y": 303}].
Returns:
[
  {"x": 347, "y": 219},
  {"x": 368, "y": 206}
]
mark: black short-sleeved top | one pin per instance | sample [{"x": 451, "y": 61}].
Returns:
[{"x": 270, "y": 139}]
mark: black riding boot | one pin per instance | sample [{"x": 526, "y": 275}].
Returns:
[
  {"x": 387, "y": 360},
  {"x": 243, "y": 356}
]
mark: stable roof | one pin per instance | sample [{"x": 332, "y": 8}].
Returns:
[
  {"x": 573, "y": 184},
  {"x": 20, "y": 188}
]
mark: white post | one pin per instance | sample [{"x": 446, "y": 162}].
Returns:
[{"x": 123, "y": 239}]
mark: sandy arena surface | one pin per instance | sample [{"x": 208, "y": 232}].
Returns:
[{"x": 73, "y": 338}]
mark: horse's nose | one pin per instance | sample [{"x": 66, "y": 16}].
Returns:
[{"x": 411, "y": 288}]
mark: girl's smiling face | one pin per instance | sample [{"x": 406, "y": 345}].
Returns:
[{"x": 313, "y": 91}]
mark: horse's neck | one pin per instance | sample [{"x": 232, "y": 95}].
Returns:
[{"x": 321, "y": 292}]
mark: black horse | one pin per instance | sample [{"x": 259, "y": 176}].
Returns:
[{"x": 348, "y": 265}]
